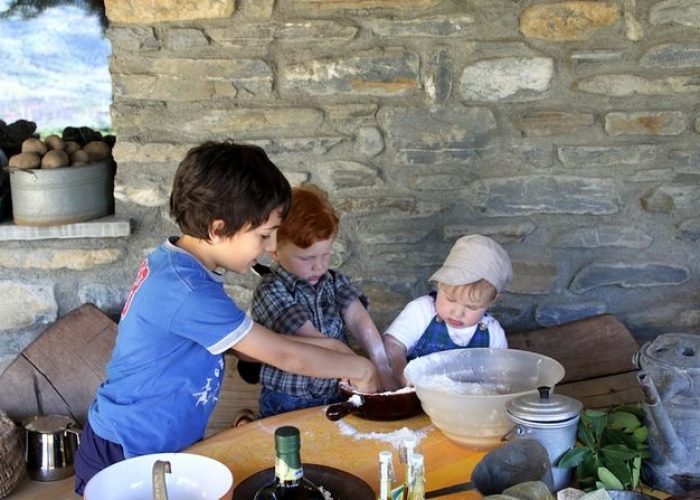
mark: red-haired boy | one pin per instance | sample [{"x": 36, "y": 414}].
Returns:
[{"x": 303, "y": 297}]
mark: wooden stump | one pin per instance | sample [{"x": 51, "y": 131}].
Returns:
[{"x": 59, "y": 372}]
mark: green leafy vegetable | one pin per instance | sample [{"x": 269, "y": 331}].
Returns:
[{"x": 612, "y": 451}]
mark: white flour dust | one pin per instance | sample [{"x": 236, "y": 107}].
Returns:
[
  {"x": 395, "y": 438},
  {"x": 444, "y": 383}
]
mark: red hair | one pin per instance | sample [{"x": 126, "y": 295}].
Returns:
[{"x": 312, "y": 218}]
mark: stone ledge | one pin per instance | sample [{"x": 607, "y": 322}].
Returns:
[{"x": 106, "y": 227}]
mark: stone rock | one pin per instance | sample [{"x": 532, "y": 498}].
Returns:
[
  {"x": 622, "y": 85},
  {"x": 323, "y": 31},
  {"x": 24, "y": 305},
  {"x": 133, "y": 38},
  {"x": 302, "y": 145},
  {"x": 327, "y": 7},
  {"x": 533, "y": 277},
  {"x": 255, "y": 9},
  {"x": 517, "y": 78},
  {"x": 672, "y": 55},
  {"x": 154, "y": 195},
  {"x": 438, "y": 83},
  {"x": 546, "y": 123},
  {"x": 596, "y": 56},
  {"x": 513, "y": 196},
  {"x": 370, "y": 141},
  {"x": 52, "y": 258},
  {"x": 436, "y": 26},
  {"x": 135, "y": 12},
  {"x": 689, "y": 229},
  {"x": 415, "y": 128},
  {"x": 241, "y": 295},
  {"x": 629, "y": 154},
  {"x": 679, "y": 198},
  {"x": 390, "y": 72},
  {"x": 107, "y": 297},
  {"x": 633, "y": 29},
  {"x": 646, "y": 123},
  {"x": 501, "y": 233},
  {"x": 559, "y": 313},
  {"x": 567, "y": 21},
  {"x": 185, "y": 38},
  {"x": 570, "y": 494},
  {"x": 154, "y": 152},
  {"x": 531, "y": 490},
  {"x": 628, "y": 275},
  {"x": 602, "y": 236},
  {"x": 340, "y": 175},
  {"x": 683, "y": 12}
]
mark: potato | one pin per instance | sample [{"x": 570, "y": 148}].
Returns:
[
  {"x": 79, "y": 164},
  {"x": 55, "y": 158},
  {"x": 97, "y": 150},
  {"x": 33, "y": 145},
  {"x": 79, "y": 156},
  {"x": 55, "y": 142},
  {"x": 71, "y": 147},
  {"x": 25, "y": 160}
]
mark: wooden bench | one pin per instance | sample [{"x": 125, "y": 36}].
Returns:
[{"x": 597, "y": 355}]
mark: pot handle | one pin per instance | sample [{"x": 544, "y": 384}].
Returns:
[
  {"x": 513, "y": 433},
  {"x": 336, "y": 411},
  {"x": 76, "y": 432}
]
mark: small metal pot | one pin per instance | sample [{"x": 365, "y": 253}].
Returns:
[
  {"x": 551, "y": 419},
  {"x": 50, "y": 445}
]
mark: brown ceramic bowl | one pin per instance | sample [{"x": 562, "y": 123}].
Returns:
[{"x": 394, "y": 405}]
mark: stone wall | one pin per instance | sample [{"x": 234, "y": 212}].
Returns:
[{"x": 567, "y": 131}]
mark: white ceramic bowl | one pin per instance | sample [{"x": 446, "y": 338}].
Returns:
[
  {"x": 465, "y": 391},
  {"x": 192, "y": 477}
]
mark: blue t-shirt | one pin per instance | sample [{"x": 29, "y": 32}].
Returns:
[{"x": 167, "y": 366}]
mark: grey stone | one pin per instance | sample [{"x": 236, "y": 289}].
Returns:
[
  {"x": 133, "y": 38},
  {"x": 389, "y": 72},
  {"x": 255, "y": 9},
  {"x": 633, "y": 30},
  {"x": 672, "y": 55},
  {"x": 502, "y": 233},
  {"x": 596, "y": 56},
  {"x": 185, "y": 38},
  {"x": 513, "y": 78},
  {"x": 436, "y": 26},
  {"x": 243, "y": 37},
  {"x": 107, "y": 227},
  {"x": 539, "y": 194},
  {"x": 629, "y": 154},
  {"x": 559, "y": 313},
  {"x": 144, "y": 193},
  {"x": 26, "y": 304},
  {"x": 106, "y": 296},
  {"x": 653, "y": 174},
  {"x": 688, "y": 158},
  {"x": 415, "y": 128},
  {"x": 438, "y": 84},
  {"x": 342, "y": 174},
  {"x": 392, "y": 230},
  {"x": 322, "y": 31},
  {"x": 380, "y": 202},
  {"x": 646, "y": 123},
  {"x": 533, "y": 277},
  {"x": 242, "y": 296},
  {"x": 602, "y": 236},
  {"x": 531, "y": 490},
  {"x": 684, "y": 12},
  {"x": 426, "y": 178},
  {"x": 545, "y": 123},
  {"x": 75, "y": 259},
  {"x": 628, "y": 275},
  {"x": 679, "y": 198},
  {"x": 623, "y": 85},
  {"x": 370, "y": 141},
  {"x": 302, "y": 145},
  {"x": 570, "y": 494},
  {"x": 689, "y": 229}
]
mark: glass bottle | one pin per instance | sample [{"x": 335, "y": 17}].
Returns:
[
  {"x": 408, "y": 450},
  {"x": 289, "y": 482},
  {"x": 416, "y": 485}
]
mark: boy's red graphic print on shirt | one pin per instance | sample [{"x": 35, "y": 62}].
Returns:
[{"x": 140, "y": 278}]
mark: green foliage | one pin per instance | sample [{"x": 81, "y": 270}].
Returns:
[{"x": 612, "y": 451}]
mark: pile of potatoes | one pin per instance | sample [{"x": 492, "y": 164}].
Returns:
[{"x": 54, "y": 152}]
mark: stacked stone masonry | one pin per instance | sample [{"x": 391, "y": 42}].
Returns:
[{"x": 567, "y": 131}]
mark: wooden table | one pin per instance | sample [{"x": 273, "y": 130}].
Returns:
[{"x": 351, "y": 444}]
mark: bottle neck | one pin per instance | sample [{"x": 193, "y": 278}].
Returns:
[{"x": 288, "y": 468}]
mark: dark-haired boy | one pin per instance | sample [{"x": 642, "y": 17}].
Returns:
[{"x": 167, "y": 365}]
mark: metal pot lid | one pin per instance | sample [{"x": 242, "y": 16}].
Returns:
[
  {"x": 48, "y": 424},
  {"x": 544, "y": 407}
]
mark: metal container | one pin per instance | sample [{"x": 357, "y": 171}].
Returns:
[
  {"x": 49, "y": 197},
  {"x": 670, "y": 381},
  {"x": 50, "y": 445},
  {"x": 551, "y": 419}
]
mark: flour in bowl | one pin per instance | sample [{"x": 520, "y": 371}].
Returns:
[{"x": 444, "y": 383}]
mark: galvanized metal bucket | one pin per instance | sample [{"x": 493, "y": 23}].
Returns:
[{"x": 50, "y": 197}]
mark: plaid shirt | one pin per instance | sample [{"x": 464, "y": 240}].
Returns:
[{"x": 283, "y": 303}]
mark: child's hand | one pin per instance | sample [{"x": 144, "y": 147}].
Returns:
[{"x": 370, "y": 383}]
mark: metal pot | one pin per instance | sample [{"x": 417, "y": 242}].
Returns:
[
  {"x": 378, "y": 406},
  {"x": 50, "y": 444},
  {"x": 551, "y": 419}
]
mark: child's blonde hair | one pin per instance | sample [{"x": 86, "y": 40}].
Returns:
[{"x": 479, "y": 294}]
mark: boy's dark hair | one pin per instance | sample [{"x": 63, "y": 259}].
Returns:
[{"x": 236, "y": 183}]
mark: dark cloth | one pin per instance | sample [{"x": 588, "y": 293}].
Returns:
[{"x": 93, "y": 455}]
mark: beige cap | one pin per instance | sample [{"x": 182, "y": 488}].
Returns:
[{"x": 476, "y": 257}]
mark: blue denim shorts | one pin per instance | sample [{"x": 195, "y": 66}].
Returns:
[
  {"x": 275, "y": 402},
  {"x": 93, "y": 455}
]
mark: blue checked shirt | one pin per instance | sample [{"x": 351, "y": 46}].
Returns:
[{"x": 283, "y": 303}]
